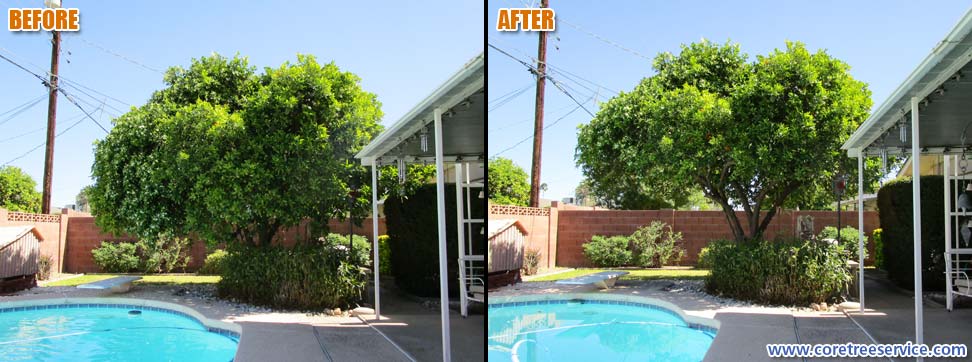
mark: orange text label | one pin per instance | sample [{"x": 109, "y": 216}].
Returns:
[
  {"x": 527, "y": 19},
  {"x": 37, "y": 19}
]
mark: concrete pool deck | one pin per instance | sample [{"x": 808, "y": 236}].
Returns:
[{"x": 296, "y": 336}]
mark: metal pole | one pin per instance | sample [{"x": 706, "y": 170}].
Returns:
[
  {"x": 461, "y": 230},
  {"x": 538, "y": 115},
  {"x": 916, "y": 218},
  {"x": 51, "y": 124},
  {"x": 443, "y": 259},
  {"x": 948, "y": 231},
  {"x": 374, "y": 239},
  {"x": 860, "y": 227}
]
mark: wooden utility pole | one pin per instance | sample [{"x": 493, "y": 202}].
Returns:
[
  {"x": 51, "y": 123},
  {"x": 538, "y": 124}
]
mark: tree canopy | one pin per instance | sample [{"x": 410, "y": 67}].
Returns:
[
  {"x": 228, "y": 154},
  {"x": 751, "y": 135},
  {"x": 507, "y": 183},
  {"x": 18, "y": 190}
]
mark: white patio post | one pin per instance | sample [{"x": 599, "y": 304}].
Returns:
[
  {"x": 461, "y": 230},
  {"x": 948, "y": 231},
  {"x": 443, "y": 260},
  {"x": 916, "y": 218},
  {"x": 860, "y": 226},
  {"x": 374, "y": 239}
]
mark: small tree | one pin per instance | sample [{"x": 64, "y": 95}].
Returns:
[
  {"x": 17, "y": 190},
  {"x": 507, "y": 183}
]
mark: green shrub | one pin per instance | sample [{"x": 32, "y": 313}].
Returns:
[
  {"x": 655, "y": 245},
  {"x": 895, "y": 205},
  {"x": 531, "y": 261},
  {"x": 413, "y": 224},
  {"x": 703, "y": 261},
  {"x": 214, "y": 263},
  {"x": 361, "y": 247},
  {"x": 116, "y": 257},
  {"x": 44, "y": 266},
  {"x": 164, "y": 254},
  {"x": 384, "y": 254},
  {"x": 309, "y": 276},
  {"x": 791, "y": 272},
  {"x": 878, "y": 249},
  {"x": 608, "y": 251},
  {"x": 848, "y": 238}
]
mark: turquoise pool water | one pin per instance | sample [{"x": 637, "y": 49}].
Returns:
[
  {"x": 592, "y": 330},
  {"x": 104, "y": 333}
]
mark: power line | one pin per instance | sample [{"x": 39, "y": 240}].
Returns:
[
  {"x": 562, "y": 71},
  {"x": 71, "y": 99},
  {"x": 22, "y": 134},
  {"x": 45, "y": 142},
  {"x": 130, "y": 60},
  {"x": 535, "y": 71},
  {"x": 24, "y": 104},
  {"x": 497, "y": 99},
  {"x": 508, "y": 99},
  {"x": 21, "y": 109},
  {"x": 60, "y": 78},
  {"x": 544, "y": 128}
]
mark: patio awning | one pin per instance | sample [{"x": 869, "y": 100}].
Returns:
[
  {"x": 943, "y": 85},
  {"x": 449, "y": 125},
  {"x": 927, "y": 114},
  {"x": 461, "y": 98}
]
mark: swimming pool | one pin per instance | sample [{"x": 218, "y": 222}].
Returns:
[
  {"x": 109, "y": 332},
  {"x": 594, "y": 328}
]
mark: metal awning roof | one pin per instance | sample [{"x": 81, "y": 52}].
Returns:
[
  {"x": 462, "y": 99},
  {"x": 944, "y": 114}
]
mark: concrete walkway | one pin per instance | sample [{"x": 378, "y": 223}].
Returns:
[{"x": 890, "y": 316}]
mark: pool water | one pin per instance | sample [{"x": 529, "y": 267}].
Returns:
[
  {"x": 592, "y": 331},
  {"x": 108, "y": 334}
]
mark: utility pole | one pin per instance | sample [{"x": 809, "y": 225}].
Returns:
[
  {"x": 538, "y": 124},
  {"x": 51, "y": 123}
]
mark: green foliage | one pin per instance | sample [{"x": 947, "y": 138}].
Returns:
[
  {"x": 306, "y": 277},
  {"x": 384, "y": 254},
  {"x": 608, "y": 251},
  {"x": 116, "y": 257},
  {"x": 704, "y": 261},
  {"x": 44, "y": 267},
  {"x": 878, "y": 249},
  {"x": 230, "y": 155},
  {"x": 17, "y": 191},
  {"x": 531, "y": 261},
  {"x": 507, "y": 183},
  {"x": 895, "y": 210},
  {"x": 361, "y": 255},
  {"x": 655, "y": 245},
  {"x": 214, "y": 264},
  {"x": 164, "y": 254},
  {"x": 790, "y": 272},
  {"x": 748, "y": 134},
  {"x": 848, "y": 238},
  {"x": 413, "y": 227}
]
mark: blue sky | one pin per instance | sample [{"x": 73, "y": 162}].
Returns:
[
  {"x": 882, "y": 41},
  {"x": 401, "y": 50}
]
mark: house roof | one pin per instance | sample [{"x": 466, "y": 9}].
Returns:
[
  {"x": 496, "y": 226},
  {"x": 9, "y": 234},
  {"x": 941, "y": 84},
  {"x": 462, "y": 100}
]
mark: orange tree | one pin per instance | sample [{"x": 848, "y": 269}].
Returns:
[{"x": 753, "y": 136}]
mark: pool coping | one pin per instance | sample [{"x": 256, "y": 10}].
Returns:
[
  {"x": 226, "y": 329},
  {"x": 700, "y": 323}
]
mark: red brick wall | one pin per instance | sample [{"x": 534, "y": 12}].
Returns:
[
  {"x": 698, "y": 228},
  {"x": 83, "y": 236}
]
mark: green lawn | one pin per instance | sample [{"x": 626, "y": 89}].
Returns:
[
  {"x": 636, "y": 274},
  {"x": 146, "y": 279}
]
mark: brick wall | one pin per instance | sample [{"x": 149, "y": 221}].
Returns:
[
  {"x": 70, "y": 237},
  {"x": 576, "y": 227}
]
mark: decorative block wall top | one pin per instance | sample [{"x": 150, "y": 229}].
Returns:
[
  {"x": 518, "y": 210},
  {"x": 23, "y": 216}
]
